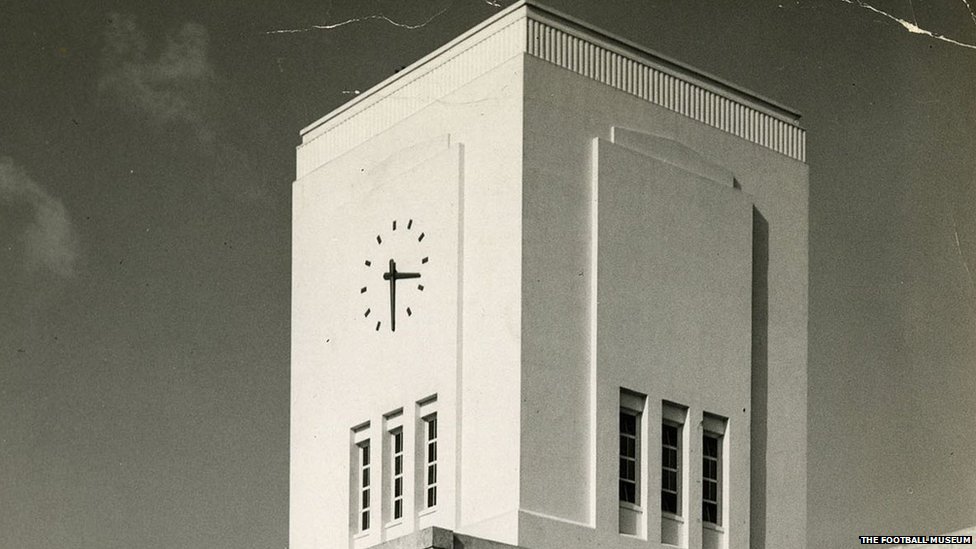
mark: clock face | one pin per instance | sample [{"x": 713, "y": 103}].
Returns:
[{"x": 395, "y": 268}]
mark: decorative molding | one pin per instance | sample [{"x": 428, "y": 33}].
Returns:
[
  {"x": 531, "y": 29},
  {"x": 627, "y": 72}
]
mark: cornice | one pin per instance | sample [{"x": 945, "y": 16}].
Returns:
[{"x": 531, "y": 28}]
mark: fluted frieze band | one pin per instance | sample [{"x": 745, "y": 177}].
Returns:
[
  {"x": 629, "y": 74},
  {"x": 529, "y": 29}
]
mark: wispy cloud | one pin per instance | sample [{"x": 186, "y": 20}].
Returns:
[
  {"x": 175, "y": 82},
  {"x": 49, "y": 239},
  {"x": 176, "y": 85}
]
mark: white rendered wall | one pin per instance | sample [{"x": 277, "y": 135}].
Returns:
[
  {"x": 560, "y": 482},
  {"x": 454, "y": 167},
  {"x": 674, "y": 323},
  {"x": 507, "y": 334}
]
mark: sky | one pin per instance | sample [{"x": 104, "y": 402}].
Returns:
[{"x": 146, "y": 160}]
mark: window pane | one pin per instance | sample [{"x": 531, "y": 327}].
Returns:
[
  {"x": 711, "y": 446},
  {"x": 365, "y": 453},
  {"x": 669, "y": 435},
  {"x": 398, "y": 443},
  {"x": 365, "y": 499},
  {"x": 432, "y": 451},
  {"x": 670, "y": 460},
  {"x": 398, "y": 465},
  {"x": 669, "y": 502},
  {"x": 709, "y": 512},
  {"x": 628, "y": 492},
  {"x": 365, "y": 477},
  {"x": 397, "y": 487},
  {"x": 626, "y": 446},
  {"x": 628, "y": 424},
  {"x": 397, "y": 509},
  {"x": 432, "y": 429}
]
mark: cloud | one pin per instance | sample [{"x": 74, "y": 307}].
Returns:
[
  {"x": 49, "y": 239},
  {"x": 176, "y": 86}
]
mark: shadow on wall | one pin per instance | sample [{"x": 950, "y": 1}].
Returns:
[{"x": 760, "y": 366}]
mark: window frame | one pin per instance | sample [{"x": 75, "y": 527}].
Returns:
[
  {"x": 364, "y": 486},
  {"x": 713, "y": 427},
  {"x": 634, "y": 440},
  {"x": 430, "y": 462},
  {"x": 677, "y": 470},
  {"x": 631, "y": 463},
  {"x": 397, "y": 474}
]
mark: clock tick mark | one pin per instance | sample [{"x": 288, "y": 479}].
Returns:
[
  {"x": 420, "y": 287},
  {"x": 378, "y": 239},
  {"x": 394, "y": 224},
  {"x": 421, "y": 239},
  {"x": 378, "y": 325},
  {"x": 409, "y": 224},
  {"x": 409, "y": 313},
  {"x": 424, "y": 260},
  {"x": 362, "y": 290},
  {"x": 369, "y": 263},
  {"x": 367, "y": 313}
]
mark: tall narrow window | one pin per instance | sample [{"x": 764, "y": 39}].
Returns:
[
  {"x": 710, "y": 478},
  {"x": 673, "y": 528},
  {"x": 712, "y": 481},
  {"x": 430, "y": 461},
  {"x": 670, "y": 467},
  {"x": 364, "y": 481},
  {"x": 397, "y": 472},
  {"x": 630, "y": 459},
  {"x": 629, "y": 421}
]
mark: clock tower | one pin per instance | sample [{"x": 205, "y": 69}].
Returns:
[{"x": 549, "y": 291}]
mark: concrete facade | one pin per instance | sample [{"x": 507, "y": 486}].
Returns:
[{"x": 602, "y": 229}]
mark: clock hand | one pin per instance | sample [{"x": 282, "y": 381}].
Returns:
[{"x": 391, "y": 275}]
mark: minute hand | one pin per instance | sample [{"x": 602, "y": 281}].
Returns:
[{"x": 394, "y": 276}]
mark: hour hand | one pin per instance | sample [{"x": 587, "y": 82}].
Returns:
[{"x": 407, "y": 275}]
